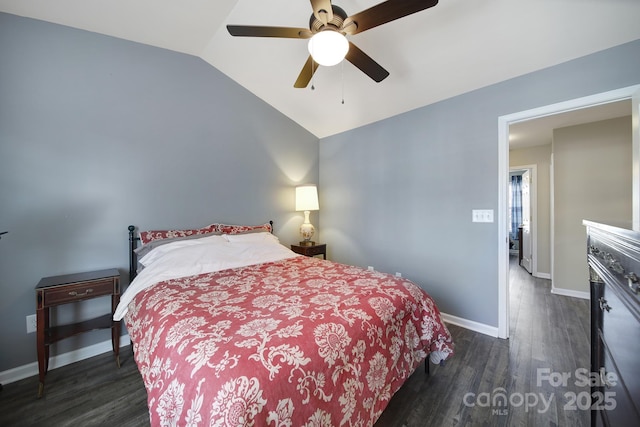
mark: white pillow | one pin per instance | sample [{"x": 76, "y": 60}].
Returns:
[
  {"x": 264, "y": 237},
  {"x": 158, "y": 252}
]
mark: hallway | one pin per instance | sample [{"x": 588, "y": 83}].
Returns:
[{"x": 548, "y": 333}]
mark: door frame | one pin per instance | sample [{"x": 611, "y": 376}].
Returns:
[{"x": 630, "y": 92}]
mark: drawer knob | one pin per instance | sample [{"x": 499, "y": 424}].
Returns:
[
  {"x": 76, "y": 294},
  {"x": 603, "y": 304},
  {"x": 632, "y": 281}
]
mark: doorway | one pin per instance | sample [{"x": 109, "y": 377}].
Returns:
[
  {"x": 522, "y": 201},
  {"x": 632, "y": 92}
]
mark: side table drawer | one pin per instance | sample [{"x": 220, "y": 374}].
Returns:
[
  {"x": 315, "y": 250},
  {"x": 78, "y": 292},
  {"x": 311, "y": 250}
]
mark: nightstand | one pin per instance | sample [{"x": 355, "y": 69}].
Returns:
[
  {"x": 312, "y": 250},
  {"x": 58, "y": 290}
]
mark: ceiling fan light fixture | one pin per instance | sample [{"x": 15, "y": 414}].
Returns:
[{"x": 328, "y": 47}]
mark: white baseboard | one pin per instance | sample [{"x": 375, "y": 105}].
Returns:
[
  {"x": 471, "y": 325},
  {"x": 570, "y": 293},
  {"x": 31, "y": 369},
  {"x": 543, "y": 275}
]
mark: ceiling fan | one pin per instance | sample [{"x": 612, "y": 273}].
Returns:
[{"x": 328, "y": 27}]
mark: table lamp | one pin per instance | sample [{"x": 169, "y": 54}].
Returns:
[{"x": 307, "y": 200}]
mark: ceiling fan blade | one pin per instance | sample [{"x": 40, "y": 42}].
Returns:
[
  {"x": 322, "y": 10},
  {"x": 257, "y": 31},
  {"x": 306, "y": 74},
  {"x": 367, "y": 65},
  {"x": 382, "y": 13}
]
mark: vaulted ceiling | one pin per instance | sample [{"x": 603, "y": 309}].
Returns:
[{"x": 455, "y": 47}]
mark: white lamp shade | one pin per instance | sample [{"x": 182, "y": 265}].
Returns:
[
  {"x": 307, "y": 198},
  {"x": 328, "y": 48}
]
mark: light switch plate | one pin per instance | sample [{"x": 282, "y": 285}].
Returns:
[{"x": 482, "y": 215}]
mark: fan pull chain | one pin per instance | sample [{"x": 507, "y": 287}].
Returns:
[
  {"x": 342, "y": 73},
  {"x": 313, "y": 75}
]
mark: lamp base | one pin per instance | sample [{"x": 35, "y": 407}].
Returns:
[
  {"x": 307, "y": 230},
  {"x": 307, "y": 243}
]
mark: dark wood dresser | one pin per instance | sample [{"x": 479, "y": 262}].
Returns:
[{"x": 613, "y": 256}]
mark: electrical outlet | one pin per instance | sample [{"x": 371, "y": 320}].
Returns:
[
  {"x": 398, "y": 274},
  {"x": 31, "y": 323},
  {"x": 370, "y": 268}
]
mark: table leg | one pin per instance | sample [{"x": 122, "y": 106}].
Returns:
[
  {"x": 115, "y": 330},
  {"x": 41, "y": 327},
  {"x": 115, "y": 341}
]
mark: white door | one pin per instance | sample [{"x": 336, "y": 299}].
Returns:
[{"x": 526, "y": 221}]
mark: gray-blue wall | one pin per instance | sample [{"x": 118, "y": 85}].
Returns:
[
  {"x": 398, "y": 194},
  {"x": 97, "y": 133}
]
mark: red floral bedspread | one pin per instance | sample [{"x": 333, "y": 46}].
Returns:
[{"x": 299, "y": 342}]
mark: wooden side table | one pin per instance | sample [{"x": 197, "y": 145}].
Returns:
[
  {"x": 311, "y": 250},
  {"x": 58, "y": 290}
]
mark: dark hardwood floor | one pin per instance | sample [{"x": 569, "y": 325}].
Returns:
[{"x": 549, "y": 339}]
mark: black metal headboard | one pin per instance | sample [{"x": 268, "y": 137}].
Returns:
[{"x": 133, "y": 256}]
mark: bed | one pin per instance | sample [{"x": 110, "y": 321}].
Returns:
[{"x": 231, "y": 328}]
